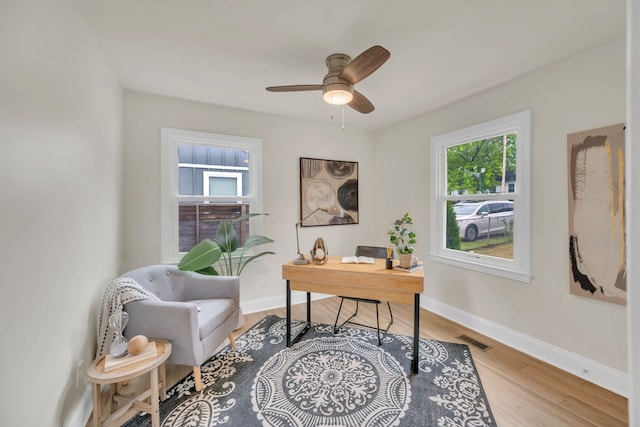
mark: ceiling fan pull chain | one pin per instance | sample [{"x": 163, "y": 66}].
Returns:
[{"x": 343, "y": 117}]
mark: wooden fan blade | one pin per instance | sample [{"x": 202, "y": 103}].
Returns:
[
  {"x": 360, "y": 103},
  {"x": 293, "y": 88},
  {"x": 365, "y": 64}
]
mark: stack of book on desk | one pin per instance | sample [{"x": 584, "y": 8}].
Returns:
[{"x": 410, "y": 269}]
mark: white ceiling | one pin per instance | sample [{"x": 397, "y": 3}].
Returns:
[{"x": 226, "y": 52}]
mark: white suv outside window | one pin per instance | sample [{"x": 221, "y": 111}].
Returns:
[{"x": 482, "y": 218}]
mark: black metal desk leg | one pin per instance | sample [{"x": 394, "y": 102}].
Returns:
[
  {"x": 416, "y": 333},
  {"x": 288, "y": 313},
  {"x": 289, "y": 339}
]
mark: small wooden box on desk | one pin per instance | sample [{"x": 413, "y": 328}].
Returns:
[{"x": 129, "y": 406}]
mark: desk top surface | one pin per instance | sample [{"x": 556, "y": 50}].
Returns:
[
  {"x": 334, "y": 264},
  {"x": 371, "y": 281}
]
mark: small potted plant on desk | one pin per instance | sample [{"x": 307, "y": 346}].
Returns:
[{"x": 402, "y": 238}]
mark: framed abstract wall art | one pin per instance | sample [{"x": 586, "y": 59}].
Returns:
[
  {"x": 597, "y": 253},
  {"x": 326, "y": 188}
]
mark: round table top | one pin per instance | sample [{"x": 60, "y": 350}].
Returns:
[{"x": 96, "y": 373}]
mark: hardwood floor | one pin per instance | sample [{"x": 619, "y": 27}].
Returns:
[{"x": 522, "y": 391}]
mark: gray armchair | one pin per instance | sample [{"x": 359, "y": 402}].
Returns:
[{"x": 196, "y": 312}]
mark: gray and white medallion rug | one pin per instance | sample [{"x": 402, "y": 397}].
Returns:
[{"x": 324, "y": 380}]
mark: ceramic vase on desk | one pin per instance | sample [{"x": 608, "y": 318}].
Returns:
[{"x": 319, "y": 254}]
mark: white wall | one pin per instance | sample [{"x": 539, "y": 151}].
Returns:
[
  {"x": 579, "y": 93},
  {"x": 285, "y": 140},
  {"x": 60, "y": 160}
]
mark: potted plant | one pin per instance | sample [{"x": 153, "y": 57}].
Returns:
[
  {"x": 215, "y": 257},
  {"x": 402, "y": 238},
  {"x": 204, "y": 257}
]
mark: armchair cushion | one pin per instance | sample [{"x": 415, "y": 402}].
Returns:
[{"x": 212, "y": 314}]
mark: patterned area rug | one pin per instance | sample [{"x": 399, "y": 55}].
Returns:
[{"x": 344, "y": 379}]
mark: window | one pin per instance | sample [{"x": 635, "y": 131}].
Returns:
[
  {"x": 206, "y": 178},
  {"x": 222, "y": 184},
  {"x": 480, "y": 179}
]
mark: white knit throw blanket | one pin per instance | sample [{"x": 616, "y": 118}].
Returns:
[{"x": 118, "y": 293}]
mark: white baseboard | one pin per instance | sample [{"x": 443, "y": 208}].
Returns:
[
  {"x": 278, "y": 301},
  {"x": 79, "y": 415},
  {"x": 595, "y": 372}
]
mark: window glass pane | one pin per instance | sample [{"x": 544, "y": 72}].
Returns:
[
  {"x": 482, "y": 227},
  {"x": 197, "y": 163},
  {"x": 481, "y": 167},
  {"x": 221, "y": 186},
  {"x": 200, "y": 220},
  {"x": 486, "y": 166}
]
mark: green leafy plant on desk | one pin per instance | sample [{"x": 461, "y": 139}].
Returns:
[{"x": 401, "y": 237}]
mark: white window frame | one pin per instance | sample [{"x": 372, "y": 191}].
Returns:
[
  {"x": 518, "y": 268},
  {"x": 208, "y": 174},
  {"x": 170, "y": 139}
]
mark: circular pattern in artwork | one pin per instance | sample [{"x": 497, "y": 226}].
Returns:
[
  {"x": 346, "y": 219},
  {"x": 319, "y": 194},
  {"x": 351, "y": 381},
  {"x": 348, "y": 195},
  {"x": 339, "y": 169}
]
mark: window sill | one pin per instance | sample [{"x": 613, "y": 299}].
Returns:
[{"x": 483, "y": 267}]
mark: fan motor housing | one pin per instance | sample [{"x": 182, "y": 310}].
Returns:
[{"x": 332, "y": 81}]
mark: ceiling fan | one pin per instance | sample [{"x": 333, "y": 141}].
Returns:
[{"x": 337, "y": 86}]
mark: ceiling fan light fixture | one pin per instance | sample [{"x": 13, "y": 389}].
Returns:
[
  {"x": 343, "y": 73},
  {"x": 338, "y": 94}
]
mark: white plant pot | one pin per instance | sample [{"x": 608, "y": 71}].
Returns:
[{"x": 406, "y": 260}]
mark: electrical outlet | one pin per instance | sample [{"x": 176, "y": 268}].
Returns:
[{"x": 79, "y": 372}]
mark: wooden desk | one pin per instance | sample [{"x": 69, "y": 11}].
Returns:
[
  {"x": 355, "y": 280},
  {"x": 157, "y": 387}
]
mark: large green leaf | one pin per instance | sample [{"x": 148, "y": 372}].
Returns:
[
  {"x": 226, "y": 237},
  {"x": 246, "y": 216},
  {"x": 209, "y": 271},
  {"x": 251, "y": 258},
  {"x": 255, "y": 241},
  {"x": 200, "y": 256}
]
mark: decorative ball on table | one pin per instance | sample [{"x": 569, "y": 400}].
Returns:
[{"x": 137, "y": 344}]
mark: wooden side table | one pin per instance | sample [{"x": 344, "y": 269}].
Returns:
[{"x": 130, "y": 405}]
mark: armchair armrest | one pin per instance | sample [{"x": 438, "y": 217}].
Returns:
[
  {"x": 200, "y": 286},
  {"x": 170, "y": 320}
]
